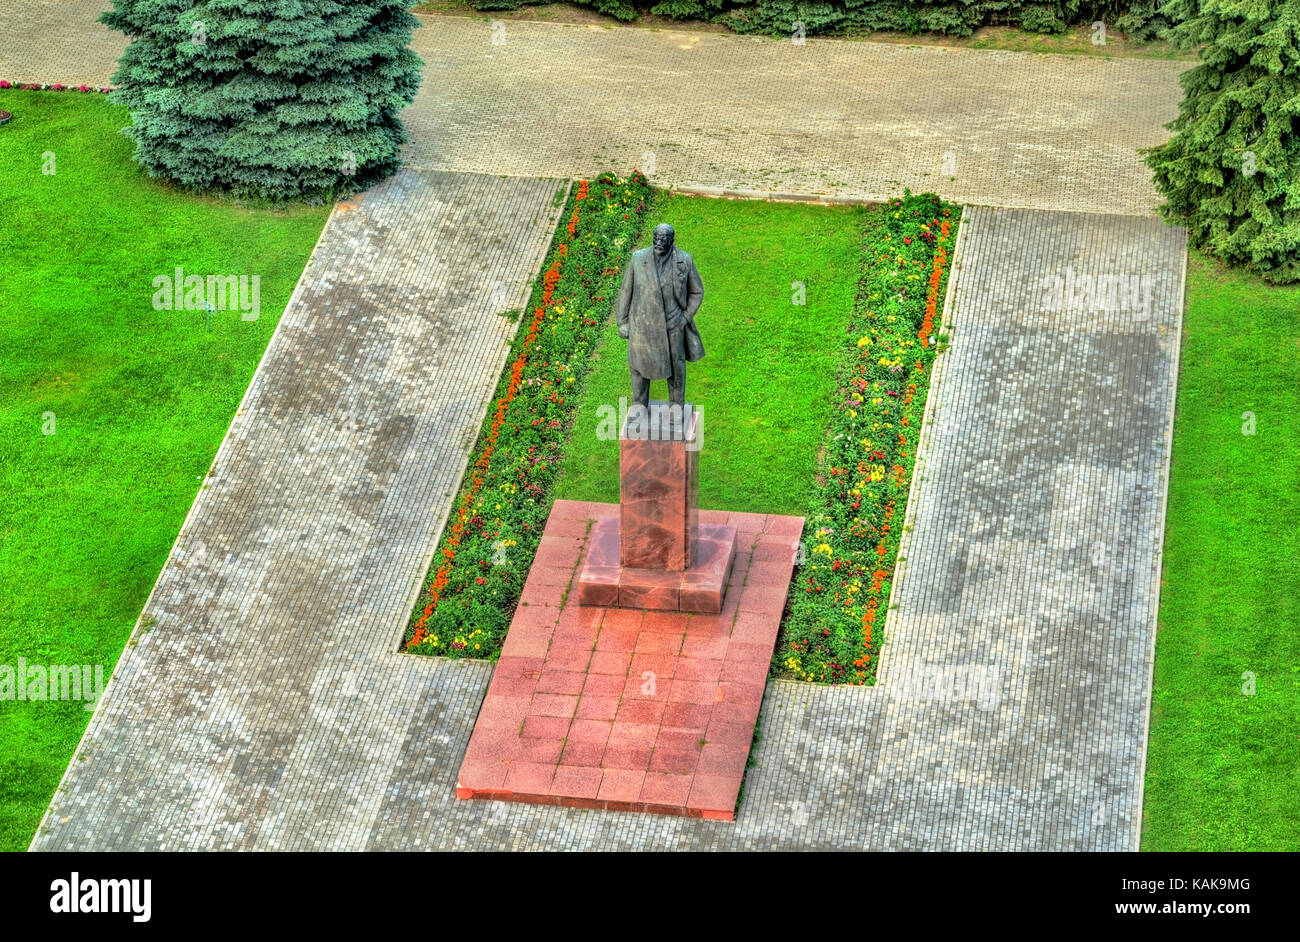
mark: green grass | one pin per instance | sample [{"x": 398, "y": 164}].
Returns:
[
  {"x": 1223, "y": 768},
  {"x": 141, "y": 398},
  {"x": 765, "y": 386}
]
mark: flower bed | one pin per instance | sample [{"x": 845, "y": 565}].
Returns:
[
  {"x": 840, "y": 593},
  {"x": 497, "y": 519},
  {"x": 52, "y": 87}
]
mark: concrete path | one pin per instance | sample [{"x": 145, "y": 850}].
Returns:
[
  {"x": 1015, "y": 690},
  {"x": 267, "y": 708},
  {"x": 844, "y": 119}
]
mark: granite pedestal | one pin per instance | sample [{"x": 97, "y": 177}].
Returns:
[{"x": 656, "y": 555}]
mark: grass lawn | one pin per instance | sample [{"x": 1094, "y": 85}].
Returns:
[
  {"x": 1223, "y": 768},
  {"x": 140, "y": 398},
  {"x": 765, "y": 388}
]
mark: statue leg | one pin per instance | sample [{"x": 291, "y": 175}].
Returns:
[
  {"x": 640, "y": 390},
  {"x": 677, "y": 382}
]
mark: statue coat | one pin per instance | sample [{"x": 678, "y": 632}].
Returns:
[{"x": 641, "y": 316}]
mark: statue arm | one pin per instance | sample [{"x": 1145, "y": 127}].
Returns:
[
  {"x": 623, "y": 308},
  {"x": 695, "y": 292}
]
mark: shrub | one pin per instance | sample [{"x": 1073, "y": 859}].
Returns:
[
  {"x": 1229, "y": 173},
  {"x": 265, "y": 98}
]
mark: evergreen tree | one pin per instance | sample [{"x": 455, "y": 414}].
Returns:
[
  {"x": 281, "y": 99},
  {"x": 1229, "y": 173}
]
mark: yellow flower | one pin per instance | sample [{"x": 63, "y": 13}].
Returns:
[{"x": 822, "y": 548}]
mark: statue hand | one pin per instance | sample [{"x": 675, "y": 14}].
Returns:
[{"x": 623, "y": 332}]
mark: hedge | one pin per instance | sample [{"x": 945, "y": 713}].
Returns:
[{"x": 1139, "y": 19}]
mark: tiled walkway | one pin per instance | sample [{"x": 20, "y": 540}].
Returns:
[
  {"x": 267, "y": 708},
  {"x": 847, "y": 119}
]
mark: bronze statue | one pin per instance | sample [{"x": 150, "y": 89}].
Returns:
[{"x": 656, "y": 309}]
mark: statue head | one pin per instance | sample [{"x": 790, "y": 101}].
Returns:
[{"x": 663, "y": 238}]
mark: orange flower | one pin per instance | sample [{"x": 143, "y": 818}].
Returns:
[{"x": 549, "y": 281}]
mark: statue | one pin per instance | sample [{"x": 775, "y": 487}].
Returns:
[{"x": 656, "y": 309}]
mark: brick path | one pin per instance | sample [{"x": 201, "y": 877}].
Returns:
[
  {"x": 848, "y": 119},
  {"x": 58, "y": 41},
  {"x": 266, "y": 709},
  {"x": 845, "y": 119}
]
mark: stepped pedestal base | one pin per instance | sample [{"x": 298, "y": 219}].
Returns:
[{"x": 700, "y": 588}]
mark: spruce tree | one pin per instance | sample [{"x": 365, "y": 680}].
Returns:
[
  {"x": 278, "y": 99},
  {"x": 1229, "y": 173}
]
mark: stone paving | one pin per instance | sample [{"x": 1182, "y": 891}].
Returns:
[
  {"x": 266, "y": 708},
  {"x": 723, "y": 112},
  {"x": 846, "y": 119},
  {"x": 263, "y": 708},
  {"x": 58, "y": 41}
]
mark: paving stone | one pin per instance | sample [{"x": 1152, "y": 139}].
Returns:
[
  {"x": 665, "y": 698},
  {"x": 830, "y": 118}
]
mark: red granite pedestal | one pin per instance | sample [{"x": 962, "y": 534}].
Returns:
[
  {"x": 700, "y": 588},
  {"x": 656, "y": 554},
  {"x": 659, "y": 485},
  {"x": 623, "y": 709}
]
